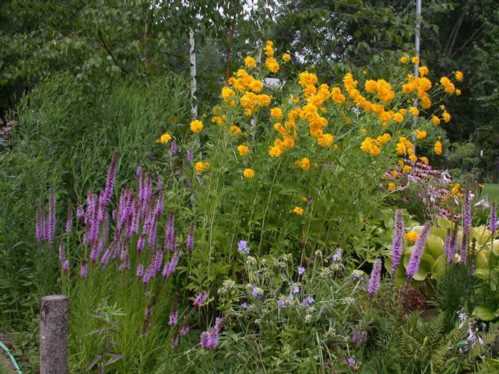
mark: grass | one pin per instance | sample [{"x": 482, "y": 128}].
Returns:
[{"x": 492, "y": 192}]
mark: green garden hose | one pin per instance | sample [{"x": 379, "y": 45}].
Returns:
[{"x": 11, "y": 357}]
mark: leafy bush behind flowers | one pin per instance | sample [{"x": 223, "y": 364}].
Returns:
[{"x": 288, "y": 170}]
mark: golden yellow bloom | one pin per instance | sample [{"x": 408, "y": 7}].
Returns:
[
  {"x": 423, "y": 71},
  {"x": 325, "y": 140},
  {"x": 458, "y": 92},
  {"x": 425, "y": 102},
  {"x": 303, "y": 163},
  {"x": 275, "y": 151},
  {"x": 227, "y": 93},
  {"x": 219, "y": 120},
  {"x": 298, "y": 211},
  {"x": 421, "y": 134},
  {"x": 391, "y": 187},
  {"x": 415, "y": 60},
  {"x": 370, "y": 86},
  {"x": 370, "y": 146},
  {"x": 435, "y": 120},
  {"x": 411, "y": 236},
  {"x": 398, "y": 117},
  {"x": 456, "y": 189},
  {"x": 406, "y": 169},
  {"x": 264, "y": 100},
  {"x": 383, "y": 139},
  {"x": 446, "y": 117},
  {"x": 459, "y": 75},
  {"x": 414, "y": 111},
  {"x": 196, "y": 126},
  {"x": 404, "y": 59},
  {"x": 424, "y": 160},
  {"x": 165, "y": 138},
  {"x": 286, "y": 57},
  {"x": 201, "y": 166},
  {"x": 438, "y": 148},
  {"x": 337, "y": 95},
  {"x": 307, "y": 79},
  {"x": 248, "y": 173},
  {"x": 269, "y": 48},
  {"x": 271, "y": 64},
  {"x": 256, "y": 86},
  {"x": 235, "y": 130},
  {"x": 276, "y": 113},
  {"x": 243, "y": 149},
  {"x": 249, "y": 62}
]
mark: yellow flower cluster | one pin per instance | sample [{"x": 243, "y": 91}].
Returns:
[
  {"x": 271, "y": 63},
  {"x": 421, "y": 85},
  {"x": 197, "y": 126},
  {"x": 405, "y": 147},
  {"x": 448, "y": 86},
  {"x": 201, "y": 166},
  {"x": 381, "y": 88},
  {"x": 421, "y": 134},
  {"x": 438, "y": 148},
  {"x": 373, "y": 146},
  {"x": 248, "y": 173},
  {"x": 303, "y": 163},
  {"x": 165, "y": 138}
]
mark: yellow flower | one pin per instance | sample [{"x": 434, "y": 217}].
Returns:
[
  {"x": 286, "y": 57},
  {"x": 235, "y": 130},
  {"x": 404, "y": 59},
  {"x": 370, "y": 146},
  {"x": 303, "y": 163},
  {"x": 370, "y": 86},
  {"x": 424, "y": 160},
  {"x": 415, "y": 60},
  {"x": 446, "y": 117},
  {"x": 435, "y": 120},
  {"x": 423, "y": 71},
  {"x": 398, "y": 117},
  {"x": 271, "y": 64},
  {"x": 411, "y": 236},
  {"x": 406, "y": 169},
  {"x": 438, "y": 148},
  {"x": 337, "y": 95},
  {"x": 298, "y": 211},
  {"x": 248, "y": 173},
  {"x": 219, "y": 120},
  {"x": 196, "y": 126},
  {"x": 165, "y": 138},
  {"x": 276, "y": 113},
  {"x": 201, "y": 166},
  {"x": 227, "y": 93},
  {"x": 459, "y": 75},
  {"x": 325, "y": 140},
  {"x": 456, "y": 189},
  {"x": 458, "y": 92},
  {"x": 275, "y": 151},
  {"x": 421, "y": 134},
  {"x": 249, "y": 62},
  {"x": 269, "y": 48},
  {"x": 414, "y": 111},
  {"x": 243, "y": 149},
  {"x": 256, "y": 86},
  {"x": 391, "y": 186}
]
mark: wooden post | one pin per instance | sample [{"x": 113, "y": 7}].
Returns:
[{"x": 54, "y": 328}]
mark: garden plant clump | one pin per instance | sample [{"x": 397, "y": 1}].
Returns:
[{"x": 297, "y": 227}]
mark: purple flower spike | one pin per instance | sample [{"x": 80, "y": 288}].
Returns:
[
  {"x": 493, "y": 219},
  {"x": 450, "y": 246},
  {"x": 83, "y": 270},
  {"x": 301, "y": 270},
  {"x": 68, "y": 227},
  {"x": 467, "y": 221},
  {"x": 110, "y": 180},
  {"x": 243, "y": 247},
  {"x": 65, "y": 266},
  {"x": 51, "y": 219},
  {"x": 170, "y": 243},
  {"x": 190, "y": 156},
  {"x": 417, "y": 252},
  {"x": 375, "y": 279},
  {"x": 184, "y": 330},
  {"x": 200, "y": 299},
  {"x": 173, "y": 318},
  {"x": 189, "y": 242},
  {"x": 170, "y": 266},
  {"x": 209, "y": 339},
  {"x": 397, "y": 241},
  {"x": 39, "y": 226},
  {"x": 173, "y": 148}
]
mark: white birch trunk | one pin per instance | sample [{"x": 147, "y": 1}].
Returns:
[{"x": 192, "y": 58}]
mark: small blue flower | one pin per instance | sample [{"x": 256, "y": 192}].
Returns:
[
  {"x": 309, "y": 300},
  {"x": 301, "y": 270},
  {"x": 242, "y": 247}
]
